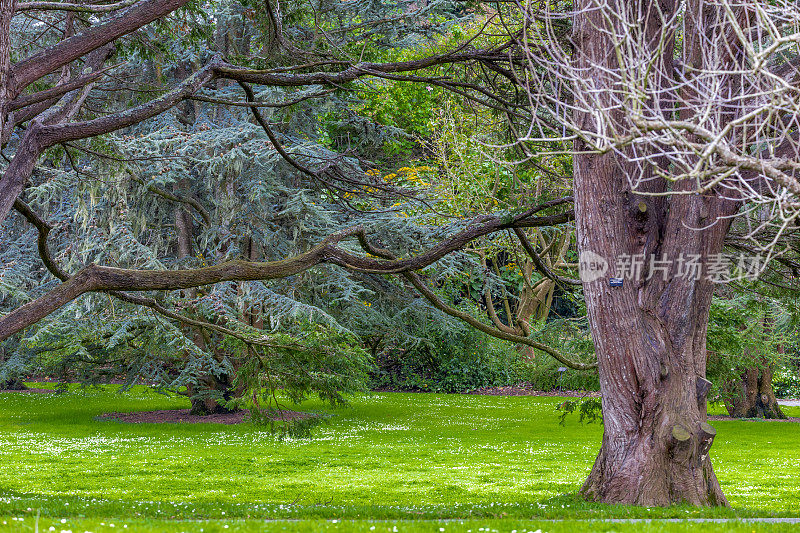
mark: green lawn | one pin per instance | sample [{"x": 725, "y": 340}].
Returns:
[{"x": 390, "y": 456}]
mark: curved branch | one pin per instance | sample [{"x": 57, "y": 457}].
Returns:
[
  {"x": 254, "y": 103},
  {"x": 44, "y": 228},
  {"x": 537, "y": 261},
  {"x": 352, "y": 72},
  {"x": 439, "y": 304},
  {"x": 251, "y": 97},
  {"x": 94, "y": 278},
  {"x": 192, "y": 202},
  {"x": 490, "y": 304},
  {"x": 429, "y": 295},
  {"x": 66, "y": 6}
]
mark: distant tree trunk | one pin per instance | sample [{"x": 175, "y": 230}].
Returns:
[
  {"x": 752, "y": 396},
  {"x": 12, "y": 383},
  {"x": 205, "y": 394}
]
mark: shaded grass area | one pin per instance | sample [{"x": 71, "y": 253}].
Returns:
[{"x": 389, "y": 456}]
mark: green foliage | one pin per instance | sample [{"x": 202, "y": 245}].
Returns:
[
  {"x": 542, "y": 373},
  {"x": 406, "y": 105},
  {"x": 786, "y": 382},
  {"x": 589, "y": 409},
  {"x": 746, "y": 331},
  {"x": 569, "y": 336},
  {"x": 120, "y": 209},
  {"x": 450, "y": 359},
  {"x": 315, "y": 359}
]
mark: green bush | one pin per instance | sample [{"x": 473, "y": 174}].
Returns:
[
  {"x": 572, "y": 338},
  {"x": 786, "y": 382},
  {"x": 447, "y": 360}
]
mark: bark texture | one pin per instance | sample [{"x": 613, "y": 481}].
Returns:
[{"x": 649, "y": 334}]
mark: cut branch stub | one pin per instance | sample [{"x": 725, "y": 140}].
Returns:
[
  {"x": 707, "y": 434},
  {"x": 681, "y": 443},
  {"x": 702, "y": 388}
]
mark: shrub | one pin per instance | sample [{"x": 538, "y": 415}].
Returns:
[
  {"x": 786, "y": 382},
  {"x": 447, "y": 360},
  {"x": 542, "y": 374}
]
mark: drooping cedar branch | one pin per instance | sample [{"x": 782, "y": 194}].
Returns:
[
  {"x": 186, "y": 200},
  {"x": 94, "y": 278},
  {"x": 39, "y": 137},
  {"x": 44, "y": 228}
]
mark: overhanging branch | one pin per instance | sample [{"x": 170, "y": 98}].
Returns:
[{"x": 94, "y": 278}]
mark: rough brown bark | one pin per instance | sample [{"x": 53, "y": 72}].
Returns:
[
  {"x": 649, "y": 334},
  {"x": 6, "y": 14}
]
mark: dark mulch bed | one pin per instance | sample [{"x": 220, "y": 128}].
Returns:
[
  {"x": 790, "y": 419},
  {"x": 29, "y": 391},
  {"x": 175, "y": 416}
]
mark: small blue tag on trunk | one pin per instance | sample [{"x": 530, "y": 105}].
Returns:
[{"x": 615, "y": 282}]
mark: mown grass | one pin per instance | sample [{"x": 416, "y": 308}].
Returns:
[{"x": 389, "y": 456}]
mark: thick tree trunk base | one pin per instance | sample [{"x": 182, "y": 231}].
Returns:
[
  {"x": 208, "y": 407},
  {"x": 204, "y": 403},
  {"x": 650, "y": 473}
]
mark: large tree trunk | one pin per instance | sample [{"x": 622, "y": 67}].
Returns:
[
  {"x": 650, "y": 333},
  {"x": 752, "y": 395},
  {"x": 650, "y": 340}
]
